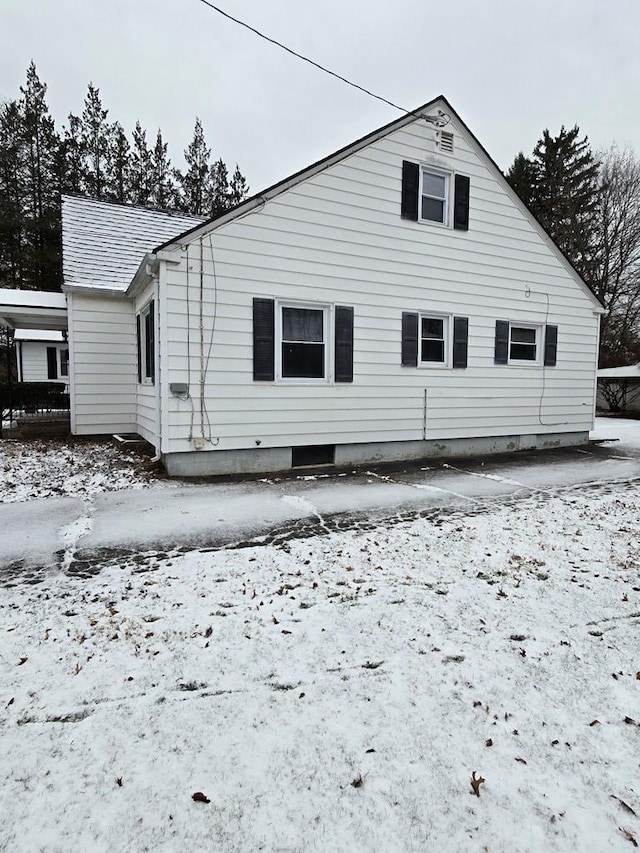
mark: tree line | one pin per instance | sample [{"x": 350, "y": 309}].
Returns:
[
  {"x": 95, "y": 157},
  {"x": 590, "y": 204}
]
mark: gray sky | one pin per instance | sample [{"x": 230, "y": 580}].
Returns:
[{"x": 509, "y": 67}]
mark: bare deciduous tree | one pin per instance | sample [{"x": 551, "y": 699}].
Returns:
[{"x": 617, "y": 270}]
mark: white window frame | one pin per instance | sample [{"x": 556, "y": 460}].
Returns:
[
  {"x": 146, "y": 376},
  {"x": 61, "y": 373},
  {"x": 326, "y": 325},
  {"x": 441, "y": 173},
  {"x": 526, "y": 362},
  {"x": 447, "y": 330}
]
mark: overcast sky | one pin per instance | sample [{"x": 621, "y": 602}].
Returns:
[{"x": 509, "y": 67}]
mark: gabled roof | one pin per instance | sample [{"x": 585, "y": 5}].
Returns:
[
  {"x": 429, "y": 108},
  {"x": 102, "y": 242}
]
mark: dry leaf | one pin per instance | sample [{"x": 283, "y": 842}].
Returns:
[
  {"x": 476, "y": 781},
  {"x": 629, "y": 836},
  {"x": 521, "y": 760},
  {"x": 488, "y": 742},
  {"x": 358, "y": 782},
  {"x": 199, "y": 797},
  {"x": 594, "y": 723},
  {"x": 208, "y": 632}
]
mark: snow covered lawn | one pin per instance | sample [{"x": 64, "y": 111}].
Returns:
[
  {"x": 337, "y": 693},
  {"x": 50, "y": 468}
]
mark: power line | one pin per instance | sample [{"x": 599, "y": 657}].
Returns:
[{"x": 306, "y": 59}]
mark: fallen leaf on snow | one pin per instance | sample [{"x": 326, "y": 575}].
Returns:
[
  {"x": 199, "y": 797},
  {"x": 629, "y": 836},
  {"x": 476, "y": 781}
]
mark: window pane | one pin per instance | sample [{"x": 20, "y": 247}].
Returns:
[
  {"x": 433, "y": 184},
  {"x": 304, "y": 361},
  {"x": 64, "y": 362},
  {"x": 432, "y": 209},
  {"x": 432, "y": 351},
  {"x": 523, "y": 352},
  {"x": 301, "y": 324},
  {"x": 433, "y": 327},
  {"x": 523, "y": 336}
]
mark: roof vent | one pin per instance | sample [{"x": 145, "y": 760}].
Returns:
[{"x": 445, "y": 143}]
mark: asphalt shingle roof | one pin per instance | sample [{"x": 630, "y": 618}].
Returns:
[{"x": 103, "y": 244}]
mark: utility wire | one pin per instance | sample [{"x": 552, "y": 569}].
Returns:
[{"x": 306, "y": 59}]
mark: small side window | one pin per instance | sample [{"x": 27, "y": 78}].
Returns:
[
  {"x": 145, "y": 329},
  {"x": 303, "y": 342}
]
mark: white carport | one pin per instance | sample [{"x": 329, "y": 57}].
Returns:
[{"x": 33, "y": 309}]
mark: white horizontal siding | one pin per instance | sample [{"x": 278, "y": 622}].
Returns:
[
  {"x": 338, "y": 238},
  {"x": 147, "y": 397},
  {"x": 102, "y": 364},
  {"x": 33, "y": 361}
]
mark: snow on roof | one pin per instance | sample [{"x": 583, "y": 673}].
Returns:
[
  {"x": 37, "y": 335},
  {"x": 628, "y": 371},
  {"x": 103, "y": 243}
]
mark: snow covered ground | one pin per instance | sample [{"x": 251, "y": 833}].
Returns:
[
  {"x": 336, "y": 692},
  {"x": 49, "y": 468}
]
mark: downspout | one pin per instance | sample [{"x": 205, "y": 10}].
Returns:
[{"x": 157, "y": 355}]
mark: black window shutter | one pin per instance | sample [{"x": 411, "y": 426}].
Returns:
[
  {"x": 52, "y": 363},
  {"x": 410, "y": 188},
  {"x": 461, "y": 203},
  {"x": 460, "y": 341},
  {"x": 139, "y": 345},
  {"x": 343, "y": 344},
  {"x": 409, "y": 339},
  {"x": 263, "y": 340},
  {"x": 151, "y": 342},
  {"x": 550, "y": 346},
  {"x": 501, "y": 353}
]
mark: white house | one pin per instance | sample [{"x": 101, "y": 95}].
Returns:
[
  {"x": 42, "y": 355},
  {"x": 395, "y": 300}
]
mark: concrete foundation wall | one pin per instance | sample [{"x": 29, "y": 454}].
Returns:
[{"x": 277, "y": 459}]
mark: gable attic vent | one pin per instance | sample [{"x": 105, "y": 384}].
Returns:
[{"x": 445, "y": 142}]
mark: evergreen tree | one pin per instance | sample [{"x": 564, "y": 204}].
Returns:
[
  {"x": 163, "y": 190},
  {"x": 11, "y": 196},
  {"x": 42, "y": 220},
  {"x": 95, "y": 138},
  {"x": 218, "y": 189},
  {"x": 238, "y": 188},
  {"x": 195, "y": 183},
  {"x": 141, "y": 188},
  {"x": 119, "y": 176},
  {"x": 522, "y": 177},
  {"x": 560, "y": 185},
  {"x": 72, "y": 158}
]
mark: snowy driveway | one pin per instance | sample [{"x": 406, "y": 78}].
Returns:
[{"x": 75, "y": 533}]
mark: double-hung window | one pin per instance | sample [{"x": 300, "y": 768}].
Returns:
[
  {"x": 434, "y": 196},
  {"x": 524, "y": 343},
  {"x": 303, "y": 342},
  {"x": 434, "y": 340}
]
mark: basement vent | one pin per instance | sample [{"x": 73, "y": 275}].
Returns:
[
  {"x": 446, "y": 142},
  {"x": 313, "y": 454}
]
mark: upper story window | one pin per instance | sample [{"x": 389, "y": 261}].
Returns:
[
  {"x": 303, "y": 342},
  {"x": 434, "y": 196},
  {"x": 430, "y": 194}
]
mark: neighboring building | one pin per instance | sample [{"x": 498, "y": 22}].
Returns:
[
  {"x": 41, "y": 355},
  {"x": 619, "y": 388},
  {"x": 395, "y": 300}
]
